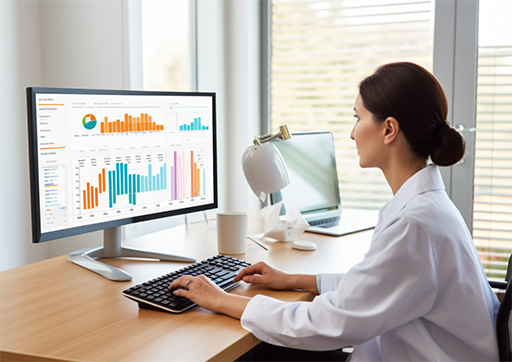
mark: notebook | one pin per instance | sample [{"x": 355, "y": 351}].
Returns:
[{"x": 313, "y": 189}]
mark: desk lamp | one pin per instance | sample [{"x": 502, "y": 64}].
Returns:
[{"x": 264, "y": 166}]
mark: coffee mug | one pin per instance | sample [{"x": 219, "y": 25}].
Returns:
[{"x": 232, "y": 232}]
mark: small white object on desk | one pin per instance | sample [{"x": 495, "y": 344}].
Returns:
[{"x": 304, "y": 245}]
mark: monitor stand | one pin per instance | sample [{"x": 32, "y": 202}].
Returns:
[{"x": 112, "y": 248}]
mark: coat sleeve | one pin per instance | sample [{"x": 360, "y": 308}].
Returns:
[
  {"x": 328, "y": 282},
  {"x": 393, "y": 285}
]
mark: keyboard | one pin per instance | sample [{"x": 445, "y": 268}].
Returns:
[
  {"x": 154, "y": 294},
  {"x": 325, "y": 223}
]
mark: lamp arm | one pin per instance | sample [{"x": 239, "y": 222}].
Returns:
[{"x": 283, "y": 133}]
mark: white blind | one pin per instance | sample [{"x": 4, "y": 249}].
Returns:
[
  {"x": 320, "y": 51},
  {"x": 492, "y": 208}
]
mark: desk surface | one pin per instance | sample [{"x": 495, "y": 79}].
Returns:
[{"x": 55, "y": 310}]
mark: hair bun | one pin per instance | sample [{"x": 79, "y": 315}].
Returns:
[{"x": 448, "y": 146}]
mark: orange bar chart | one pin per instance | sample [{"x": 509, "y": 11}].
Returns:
[
  {"x": 142, "y": 123},
  {"x": 91, "y": 193},
  {"x": 195, "y": 177}
]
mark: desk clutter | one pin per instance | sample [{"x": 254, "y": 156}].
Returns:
[{"x": 154, "y": 294}]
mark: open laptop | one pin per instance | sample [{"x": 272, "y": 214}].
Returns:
[{"x": 313, "y": 189}]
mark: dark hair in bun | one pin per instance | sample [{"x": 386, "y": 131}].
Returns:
[{"x": 415, "y": 98}]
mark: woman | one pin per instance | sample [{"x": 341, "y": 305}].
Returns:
[{"x": 421, "y": 292}]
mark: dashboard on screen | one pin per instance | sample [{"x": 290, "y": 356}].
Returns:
[{"x": 101, "y": 159}]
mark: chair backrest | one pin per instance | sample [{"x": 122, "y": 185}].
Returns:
[
  {"x": 504, "y": 318},
  {"x": 509, "y": 269},
  {"x": 504, "y": 325}
]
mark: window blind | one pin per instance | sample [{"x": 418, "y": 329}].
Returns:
[
  {"x": 492, "y": 207},
  {"x": 320, "y": 51}
]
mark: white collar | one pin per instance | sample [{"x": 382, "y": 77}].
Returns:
[{"x": 427, "y": 179}]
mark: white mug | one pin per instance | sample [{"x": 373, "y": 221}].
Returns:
[{"x": 232, "y": 232}]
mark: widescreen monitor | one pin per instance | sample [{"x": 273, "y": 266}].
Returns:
[{"x": 100, "y": 159}]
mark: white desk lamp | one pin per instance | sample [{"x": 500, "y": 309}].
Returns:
[
  {"x": 265, "y": 171},
  {"x": 264, "y": 166}
]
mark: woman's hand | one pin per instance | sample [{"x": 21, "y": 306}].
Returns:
[
  {"x": 207, "y": 294},
  {"x": 262, "y": 273}
]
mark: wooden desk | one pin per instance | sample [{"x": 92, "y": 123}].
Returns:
[{"x": 55, "y": 310}]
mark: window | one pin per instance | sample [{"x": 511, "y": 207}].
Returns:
[
  {"x": 166, "y": 45},
  {"x": 167, "y": 64},
  {"x": 320, "y": 51},
  {"x": 492, "y": 207}
]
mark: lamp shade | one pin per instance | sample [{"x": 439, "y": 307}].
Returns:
[{"x": 264, "y": 169}]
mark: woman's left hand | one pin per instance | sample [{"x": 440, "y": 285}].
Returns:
[{"x": 207, "y": 294}]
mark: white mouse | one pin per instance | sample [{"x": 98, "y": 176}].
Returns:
[{"x": 304, "y": 245}]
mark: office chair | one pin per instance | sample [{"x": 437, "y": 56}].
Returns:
[{"x": 504, "y": 318}]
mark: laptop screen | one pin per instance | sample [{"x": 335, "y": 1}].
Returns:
[{"x": 311, "y": 164}]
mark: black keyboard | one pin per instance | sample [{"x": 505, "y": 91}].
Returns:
[{"x": 154, "y": 294}]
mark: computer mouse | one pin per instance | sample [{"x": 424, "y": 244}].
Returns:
[{"x": 303, "y": 245}]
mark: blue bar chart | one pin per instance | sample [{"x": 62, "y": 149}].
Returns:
[
  {"x": 195, "y": 125},
  {"x": 122, "y": 182}
]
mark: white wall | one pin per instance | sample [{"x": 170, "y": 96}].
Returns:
[
  {"x": 48, "y": 43},
  {"x": 19, "y": 66},
  {"x": 85, "y": 44},
  {"x": 228, "y": 63}
]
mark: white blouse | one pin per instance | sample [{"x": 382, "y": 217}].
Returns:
[{"x": 419, "y": 294}]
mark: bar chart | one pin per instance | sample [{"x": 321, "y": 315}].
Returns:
[
  {"x": 195, "y": 125},
  {"x": 188, "y": 175},
  {"x": 141, "y": 123},
  {"x": 120, "y": 181}
]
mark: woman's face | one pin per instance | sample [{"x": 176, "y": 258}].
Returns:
[{"x": 367, "y": 133}]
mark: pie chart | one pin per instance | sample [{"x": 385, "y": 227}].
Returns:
[{"x": 89, "y": 121}]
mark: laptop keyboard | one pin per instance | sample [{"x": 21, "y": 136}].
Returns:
[
  {"x": 154, "y": 294},
  {"x": 325, "y": 223}
]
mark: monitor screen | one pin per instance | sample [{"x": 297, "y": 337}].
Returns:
[
  {"x": 311, "y": 164},
  {"x": 102, "y": 158}
]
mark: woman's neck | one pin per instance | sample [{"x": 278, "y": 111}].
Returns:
[{"x": 396, "y": 173}]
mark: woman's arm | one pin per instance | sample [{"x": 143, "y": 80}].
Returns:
[
  {"x": 262, "y": 273},
  {"x": 207, "y": 294}
]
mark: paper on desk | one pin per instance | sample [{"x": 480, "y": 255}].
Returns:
[{"x": 288, "y": 229}]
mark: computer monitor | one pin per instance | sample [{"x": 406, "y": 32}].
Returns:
[{"x": 100, "y": 159}]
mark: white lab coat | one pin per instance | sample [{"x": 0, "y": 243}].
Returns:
[{"x": 419, "y": 294}]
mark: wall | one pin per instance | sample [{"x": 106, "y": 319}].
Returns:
[
  {"x": 19, "y": 67},
  {"x": 228, "y": 63},
  {"x": 57, "y": 43},
  {"x": 90, "y": 44}
]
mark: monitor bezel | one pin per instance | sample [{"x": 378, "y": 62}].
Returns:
[{"x": 39, "y": 236}]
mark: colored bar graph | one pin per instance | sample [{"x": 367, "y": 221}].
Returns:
[
  {"x": 121, "y": 182},
  {"x": 194, "y": 126},
  {"x": 142, "y": 123},
  {"x": 188, "y": 179},
  {"x": 91, "y": 193}
]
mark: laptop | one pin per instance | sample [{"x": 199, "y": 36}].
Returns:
[{"x": 313, "y": 189}]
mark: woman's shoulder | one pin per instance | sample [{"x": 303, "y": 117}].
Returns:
[{"x": 431, "y": 215}]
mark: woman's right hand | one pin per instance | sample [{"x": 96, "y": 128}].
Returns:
[{"x": 262, "y": 273}]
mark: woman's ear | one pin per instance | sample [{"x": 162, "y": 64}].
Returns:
[{"x": 390, "y": 130}]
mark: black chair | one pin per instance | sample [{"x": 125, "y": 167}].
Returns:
[{"x": 504, "y": 319}]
